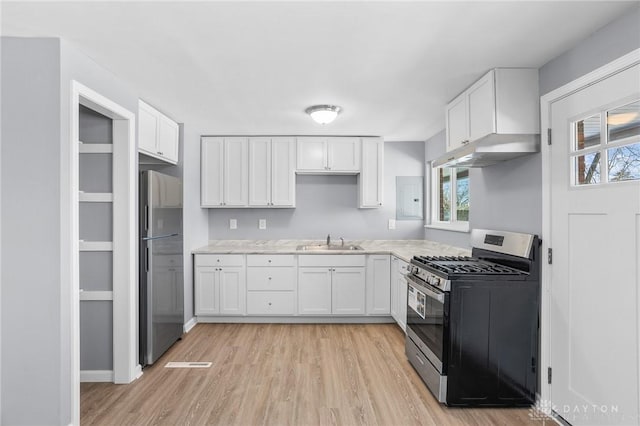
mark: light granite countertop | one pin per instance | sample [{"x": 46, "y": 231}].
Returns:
[{"x": 404, "y": 249}]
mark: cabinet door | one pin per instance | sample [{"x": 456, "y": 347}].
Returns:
[
  {"x": 482, "y": 107},
  {"x": 371, "y": 177},
  {"x": 168, "y": 138},
  {"x": 378, "y": 285},
  {"x": 207, "y": 301},
  {"x": 283, "y": 177},
  {"x": 395, "y": 293},
  {"x": 314, "y": 291},
  {"x": 259, "y": 171},
  {"x": 343, "y": 154},
  {"x": 212, "y": 172},
  {"x": 401, "y": 288},
  {"x": 348, "y": 291},
  {"x": 147, "y": 128},
  {"x": 233, "y": 291},
  {"x": 311, "y": 154},
  {"x": 457, "y": 123},
  {"x": 235, "y": 172}
]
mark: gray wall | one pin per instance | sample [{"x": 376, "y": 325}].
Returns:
[
  {"x": 603, "y": 46},
  {"x": 505, "y": 196},
  {"x": 32, "y": 350},
  {"x": 329, "y": 204}
]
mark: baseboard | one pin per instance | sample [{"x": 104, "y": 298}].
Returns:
[
  {"x": 137, "y": 372},
  {"x": 298, "y": 319},
  {"x": 190, "y": 324},
  {"x": 96, "y": 376}
]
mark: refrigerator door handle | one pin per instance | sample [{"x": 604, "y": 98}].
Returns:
[
  {"x": 146, "y": 260},
  {"x": 146, "y": 217},
  {"x": 160, "y": 236}
]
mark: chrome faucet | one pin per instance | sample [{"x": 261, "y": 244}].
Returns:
[
  {"x": 342, "y": 239},
  {"x": 328, "y": 239}
]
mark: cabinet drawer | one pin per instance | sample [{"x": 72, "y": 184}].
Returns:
[
  {"x": 331, "y": 260},
  {"x": 266, "y": 278},
  {"x": 270, "y": 303},
  {"x": 271, "y": 260},
  {"x": 219, "y": 260}
]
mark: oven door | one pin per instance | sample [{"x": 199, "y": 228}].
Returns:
[{"x": 428, "y": 321}]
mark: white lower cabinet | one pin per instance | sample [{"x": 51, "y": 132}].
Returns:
[
  {"x": 314, "y": 291},
  {"x": 331, "y": 284},
  {"x": 348, "y": 291},
  {"x": 399, "y": 291},
  {"x": 271, "y": 285},
  {"x": 378, "y": 285},
  {"x": 220, "y": 285}
]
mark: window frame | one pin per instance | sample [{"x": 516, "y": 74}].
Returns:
[{"x": 434, "y": 203}]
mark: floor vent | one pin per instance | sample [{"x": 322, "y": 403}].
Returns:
[{"x": 188, "y": 365}]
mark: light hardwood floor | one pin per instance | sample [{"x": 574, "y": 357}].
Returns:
[{"x": 283, "y": 374}]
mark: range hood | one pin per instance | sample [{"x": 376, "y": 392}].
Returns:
[{"x": 491, "y": 149}]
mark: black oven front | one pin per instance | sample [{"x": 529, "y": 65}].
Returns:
[{"x": 428, "y": 333}]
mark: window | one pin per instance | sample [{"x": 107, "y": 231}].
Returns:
[
  {"x": 450, "y": 198},
  {"x": 606, "y": 146}
]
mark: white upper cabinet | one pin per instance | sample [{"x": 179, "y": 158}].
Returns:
[
  {"x": 224, "y": 174},
  {"x": 321, "y": 154},
  {"x": 272, "y": 172},
  {"x": 158, "y": 135},
  {"x": 503, "y": 101},
  {"x": 372, "y": 175}
]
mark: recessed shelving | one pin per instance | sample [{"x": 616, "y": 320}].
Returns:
[{"x": 96, "y": 148}]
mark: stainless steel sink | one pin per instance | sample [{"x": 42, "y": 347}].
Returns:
[{"x": 325, "y": 247}]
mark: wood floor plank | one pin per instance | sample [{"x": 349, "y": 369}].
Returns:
[{"x": 283, "y": 374}]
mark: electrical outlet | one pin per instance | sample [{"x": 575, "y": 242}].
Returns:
[
  {"x": 233, "y": 223},
  {"x": 262, "y": 224},
  {"x": 392, "y": 224}
]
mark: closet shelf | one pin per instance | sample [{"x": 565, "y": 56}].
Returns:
[
  {"x": 95, "y": 197},
  {"x": 96, "y": 148},
  {"x": 95, "y": 245}
]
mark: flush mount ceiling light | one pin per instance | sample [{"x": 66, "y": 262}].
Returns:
[{"x": 323, "y": 114}]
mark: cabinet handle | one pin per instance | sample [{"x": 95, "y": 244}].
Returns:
[
  {"x": 269, "y": 303},
  {"x": 269, "y": 261},
  {"x": 379, "y": 204},
  {"x": 269, "y": 278},
  {"x": 464, "y": 142}
]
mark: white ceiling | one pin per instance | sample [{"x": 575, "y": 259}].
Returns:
[{"x": 253, "y": 67}]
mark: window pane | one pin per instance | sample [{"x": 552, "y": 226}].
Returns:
[
  {"x": 462, "y": 194},
  {"x": 624, "y": 122},
  {"x": 587, "y": 132},
  {"x": 624, "y": 163},
  {"x": 444, "y": 198},
  {"x": 587, "y": 169}
]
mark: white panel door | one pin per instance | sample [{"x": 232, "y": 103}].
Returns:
[
  {"x": 168, "y": 136},
  {"x": 283, "y": 176},
  {"x": 457, "y": 124},
  {"x": 236, "y": 176},
  {"x": 147, "y": 128},
  {"x": 481, "y": 99},
  {"x": 314, "y": 291},
  {"x": 595, "y": 237},
  {"x": 212, "y": 172},
  {"x": 378, "y": 285},
  {"x": 233, "y": 291},
  {"x": 259, "y": 171},
  {"x": 348, "y": 291},
  {"x": 207, "y": 301},
  {"x": 343, "y": 154},
  {"x": 311, "y": 154}
]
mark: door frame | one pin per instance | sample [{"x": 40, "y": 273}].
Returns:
[
  {"x": 125, "y": 242},
  {"x": 546, "y": 101}
]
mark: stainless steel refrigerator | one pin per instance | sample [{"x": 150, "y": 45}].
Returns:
[{"x": 161, "y": 265}]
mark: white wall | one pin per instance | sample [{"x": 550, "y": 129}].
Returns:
[{"x": 329, "y": 205}]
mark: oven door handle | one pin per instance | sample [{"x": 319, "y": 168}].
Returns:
[{"x": 432, "y": 294}]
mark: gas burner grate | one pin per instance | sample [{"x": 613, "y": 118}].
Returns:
[{"x": 464, "y": 265}]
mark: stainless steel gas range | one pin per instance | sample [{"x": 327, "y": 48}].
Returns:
[{"x": 472, "y": 322}]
